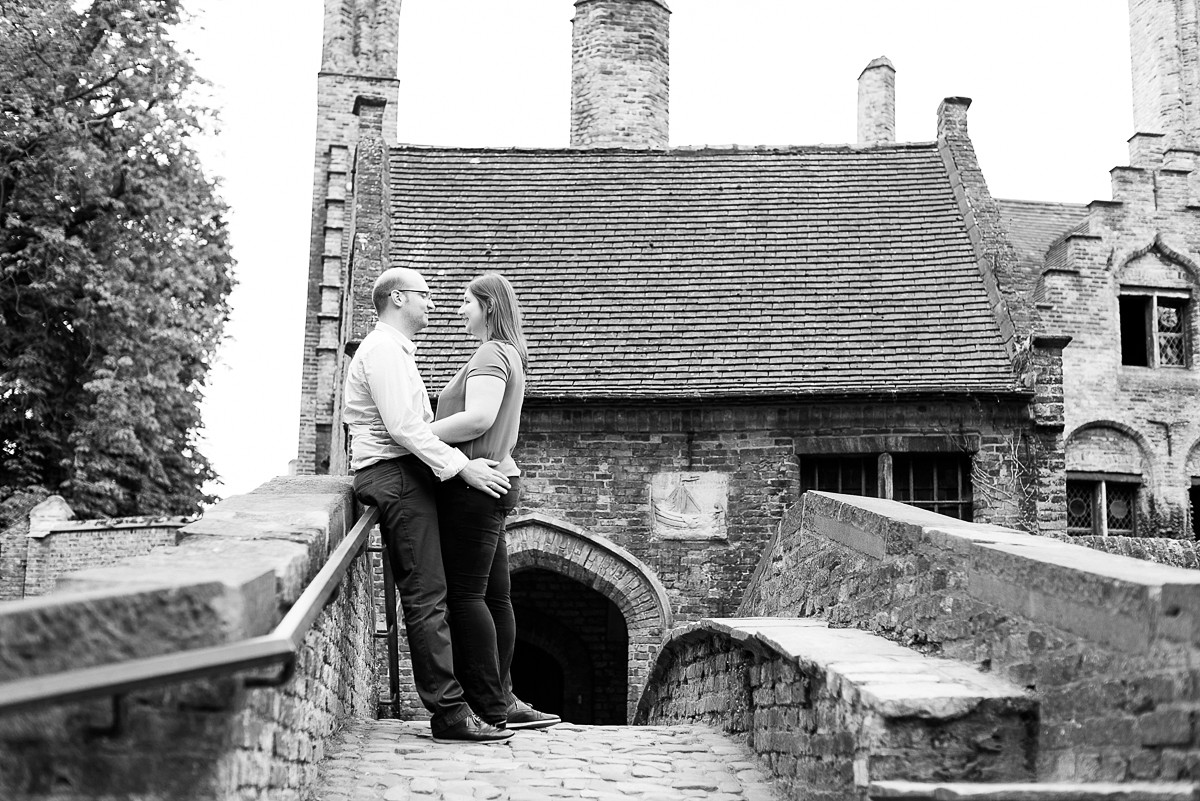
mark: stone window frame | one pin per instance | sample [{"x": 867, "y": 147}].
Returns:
[
  {"x": 1147, "y": 306},
  {"x": 1099, "y": 486}
]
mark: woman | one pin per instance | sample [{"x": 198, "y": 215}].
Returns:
[{"x": 480, "y": 412}]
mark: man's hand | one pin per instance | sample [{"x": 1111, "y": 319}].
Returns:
[{"x": 480, "y": 474}]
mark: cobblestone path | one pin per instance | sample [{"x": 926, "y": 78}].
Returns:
[{"x": 392, "y": 760}]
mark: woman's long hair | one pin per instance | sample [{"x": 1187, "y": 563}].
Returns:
[{"x": 503, "y": 312}]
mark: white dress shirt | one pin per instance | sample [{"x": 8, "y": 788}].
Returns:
[{"x": 387, "y": 408}]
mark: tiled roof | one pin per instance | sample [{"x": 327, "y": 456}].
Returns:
[
  {"x": 707, "y": 273},
  {"x": 1033, "y": 226}
]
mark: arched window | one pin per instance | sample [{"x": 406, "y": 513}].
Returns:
[
  {"x": 1157, "y": 310},
  {"x": 1105, "y": 469}
]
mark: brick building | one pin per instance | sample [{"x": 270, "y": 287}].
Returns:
[
  {"x": 1121, "y": 277},
  {"x": 712, "y": 332}
]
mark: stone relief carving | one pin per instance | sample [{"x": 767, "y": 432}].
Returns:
[{"x": 689, "y": 506}]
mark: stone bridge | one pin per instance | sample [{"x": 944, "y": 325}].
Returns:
[{"x": 880, "y": 651}]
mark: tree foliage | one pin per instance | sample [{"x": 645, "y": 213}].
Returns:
[{"x": 115, "y": 268}]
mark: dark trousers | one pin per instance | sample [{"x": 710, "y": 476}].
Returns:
[
  {"x": 475, "y": 554},
  {"x": 403, "y": 490}
]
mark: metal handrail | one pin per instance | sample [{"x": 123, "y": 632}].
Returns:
[{"x": 280, "y": 647}]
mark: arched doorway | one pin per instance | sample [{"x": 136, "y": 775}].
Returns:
[
  {"x": 587, "y": 608},
  {"x": 572, "y": 649}
]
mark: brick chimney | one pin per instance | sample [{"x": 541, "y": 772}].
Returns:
[
  {"x": 619, "y": 73},
  {"x": 877, "y": 103},
  {"x": 1164, "y": 44}
]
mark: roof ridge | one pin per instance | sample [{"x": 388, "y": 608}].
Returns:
[
  {"x": 1058, "y": 203},
  {"x": 650, "y": 152}
]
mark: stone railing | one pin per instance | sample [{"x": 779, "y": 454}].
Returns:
[
  {"x": 231, "y": 577},
  {"x": 832, "y": 710},
  {"x": 1107, "y": 644}
]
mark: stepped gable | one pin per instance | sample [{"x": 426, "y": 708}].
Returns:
[
  {"x": 1033, "y": 226},
  {"x": 808, "y": 271}
]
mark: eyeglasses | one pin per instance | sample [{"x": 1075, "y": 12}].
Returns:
[{"x": 424, "y": 293}]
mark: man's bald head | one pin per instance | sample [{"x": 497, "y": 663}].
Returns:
[{"x": 392, "y": 279}]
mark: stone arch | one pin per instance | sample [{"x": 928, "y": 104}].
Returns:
[
  {"x": 538, "y": 541},
  {"x": 1191, "y": 464},
  {"x": 1106, "y": 446},
  {"x": 1108, "y": 449},
  {"x": 1127, "y": 265}
]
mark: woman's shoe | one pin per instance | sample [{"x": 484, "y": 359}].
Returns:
[{"x": 523, "y": 716}]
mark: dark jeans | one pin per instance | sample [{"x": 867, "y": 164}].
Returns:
[
  {"x": 403, "y": 490},
  {"x": 475, "y": 553}
]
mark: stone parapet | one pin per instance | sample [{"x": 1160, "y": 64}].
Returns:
[
  {"x": 830, "y": 710},
  {"x": 232, "y": 576},
  {"x": 1107, "y": 643},
  {"x": 1049, "y": 791}
]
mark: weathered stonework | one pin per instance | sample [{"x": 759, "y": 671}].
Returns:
[
  {"x": 1105, "y": 643},
  {"x": 1128, "y": 422},
  {"x": 877, "y": 103},
  {"x": 831, "y": 710},
  {"x": 620, "y": 73},
  {"x": 233, "y": 575},
  {"x": 358, "y": 59},
  {"x": 1166, "y": 69},
  {"x": 14, "y": 541}
]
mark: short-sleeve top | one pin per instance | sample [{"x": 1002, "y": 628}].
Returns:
[{"x": 501, "y": 360}]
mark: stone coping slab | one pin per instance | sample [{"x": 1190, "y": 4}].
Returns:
[
  {"x": 1116, "y": 600},
  {"x": 1058, "y": 791},
  {"x": 233, "y": 575},
  {"x": 861, "y": 667}
]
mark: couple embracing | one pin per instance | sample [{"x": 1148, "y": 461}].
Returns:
[{"x": 442, "y": 506}]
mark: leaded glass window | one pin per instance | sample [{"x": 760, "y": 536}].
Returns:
[
  {"x": 1101, "y": 506},
  {"x": 1080, "y": 511},
  {"x": 1154, "y": 327},
  {"x": 1171, "y": 350}
]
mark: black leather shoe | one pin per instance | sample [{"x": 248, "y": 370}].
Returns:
[
  {"x": 530, "y": 718},
  {"x": 472, "y": 730}
]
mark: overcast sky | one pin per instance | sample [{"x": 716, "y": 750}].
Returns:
[{"x": 1051, "y": 115}]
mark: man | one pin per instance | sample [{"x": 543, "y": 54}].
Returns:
[{"x": 396, "y": 461}]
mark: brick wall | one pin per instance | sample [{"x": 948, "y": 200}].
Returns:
[
  {"x": 358, "y": 60},
  {"x": 44, "y": 542},
  {"x": 93, "y": 544},
  {"x": 203, "y": 739},
  {"x": 1107, "y": 644},
  {"x": 593, "y": 467},
  {"x": 1147, "y": 238},
  {"x": 620, "y": 73},
  {"x": 1166, "y": 92},
  {"x": 14, "y": 539}
]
